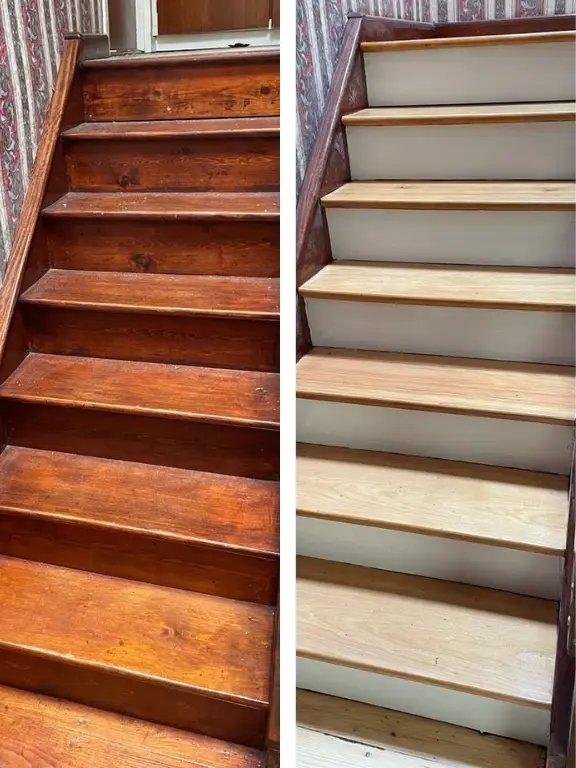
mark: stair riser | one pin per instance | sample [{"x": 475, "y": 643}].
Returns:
[
  {"x": 175, "y": 443},
  {"x": 506, "y": 238},
  {"x": 139, "y": 557},
  {"x": 500, "y": 442},
  {"x": 136, "y": 697},
  {"x": 471, "y": 75},
  {"x": 494, "y": 716},
  {"x": 526, "y": 573},
  {"x": 491, "y": 334},
  {"x": 528, "y": 151},
  {"x": 241, "y": 248},
  {"x": 180, "y": 91},
  {"x": 156, "y": 338},
  {"x": 189, "y": 165}
]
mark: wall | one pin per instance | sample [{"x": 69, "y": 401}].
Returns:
[
  {"x": 31, "y": 37},
  {"x": 319, "y": 30}
]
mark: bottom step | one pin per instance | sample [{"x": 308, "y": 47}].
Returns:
[
  {"x": 337, "y": 733},
  {"x": 41, "y": 731}
]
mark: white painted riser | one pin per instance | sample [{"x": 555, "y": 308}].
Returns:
[
  {"x": 526, "y": 573},
  {"x": 507, "y": 238},
  {"x": 521, "y": 151},
  {"x": 499, "y": 442},
  {"x": 501, "y": 718},
  {"x": 471, "y": 75},
  {"x": 491, "y": 334}
]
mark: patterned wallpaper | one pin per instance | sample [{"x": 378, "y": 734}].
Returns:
[
  {"x": 319, "y": 26},
  {"x": 31, "y": 36}
]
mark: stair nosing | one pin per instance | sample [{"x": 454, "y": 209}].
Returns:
[
  {"x": 84, "y": 131},
  {"x": 171, "y": 58}
]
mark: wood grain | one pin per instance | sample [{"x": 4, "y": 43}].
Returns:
[
  {"x": 230, "y": 127},
  {"x": 521, "y": 391},
  {"x": 210, "y": 395},
  {"x": 180, "y": 17},
  {"x": 515, "y": 288},
  {"x": 455, "y": 195},
  {"x": 529, "y": 38},
  {"x": 427, "y": 630},
  {"x": 490, "y": 505}
]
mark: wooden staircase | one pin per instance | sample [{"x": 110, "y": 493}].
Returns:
[
  {"x": 139, "y": 520},
  {"x": 436, "y": 408}
]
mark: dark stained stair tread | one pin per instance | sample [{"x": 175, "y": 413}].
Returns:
[
  {"x": 231, "y": 297},
  {"x": 243, "y": 398},
  {"x": 169, "y": 129}
]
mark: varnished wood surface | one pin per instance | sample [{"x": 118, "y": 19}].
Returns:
[
  {"x": 488, "y": 388},
  {"x": 530, "y": 38},
  {"x": 211, "y": 395},
  {"x": 174, "y": 129},
  {"x": 162, "y": 59},
  {"x": 455, "y": 195},
  {"x": 446, "y": 285},
  {"x": 181, "y": 17},
  {"x": 42, "y": 731},
  {"x": 212, "y": 296},
  {"x": 464, "y": 114},
  {"x": 168, "y": 205},
  {"x": 490, "y": 505},
  {"x": 427, "y": 630},
  {"x": 510, "y": 26}
]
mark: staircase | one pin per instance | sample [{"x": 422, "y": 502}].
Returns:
[
  {"x": 139, "y": 526},
  {"x": 436, "y": 410}
]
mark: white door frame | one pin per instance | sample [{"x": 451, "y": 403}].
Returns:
[{"x": 146, "y": 24}]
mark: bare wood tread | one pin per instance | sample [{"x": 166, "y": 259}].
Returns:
[
  {"x": 244, "y": 398},
  {"x": 474, "y": 41},
  {"x": 53, "y": 733},
  {"x": 472, "y": 502},
  {"x": 455, "y": 195},
  {"x": 205, "y": 295},
  {"x": 170, "y": 129},
  {"x": 211, "y": 645},
  {"x": 427, "y": 630},
  {"x": 263, "y": 206},
  {"x": 445, "y": 285},
  {"x": 223, "y": 511},
  {"x": 163, "y": 59},
  {"x": 489, "y": 388},
  {"x": 437, "y": 744},
  {"x": 463, "y": 113}
]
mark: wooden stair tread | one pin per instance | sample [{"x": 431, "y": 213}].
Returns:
[
  {"x": 463, "y": 114},
  {"x": 223, "y": 511},
  {"x": 472, "y": 502},
  {"x": 476, "y": 640},
  {"x": 173, "y": 129},
  {"x": 474, "y": 41},
  {"x": 244, "y": 398},
  {"x": 455, "y": 195},
  {"x": 55, "y": 733},
  {"x": 488, "y": 388},
  {"x": 437, "y": 744},
  {"x": 215, "y": 296},
  {"x": 263, "y": 206},
  {"x": 445, "y": 285},
  {"x": 167, "y": 59},
  {"x": 206, "y": 644}
]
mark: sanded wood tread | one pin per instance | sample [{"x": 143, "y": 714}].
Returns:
[
  {"x": 175, "y": 129},
  {"x": 487, "y": 388},
  {"x": 206, "y": 644},
  {"x": 259, "y": 206},
  {"x": 445, "y": 285},
  {"x": 244, "y": 398},
  {"x": 488, "y": 505},
  {"x": 204, "y": 295},
  {"x": 545, "y": 112},
  {"x": 223, "y": 511},
  {"x": 168, "y": 59},
  {"x": 53, "y": 733},
  {"x": 428, "y": 742},
  {"x": 476, "y": 640},
  {"x": 455, "y": 195},
  {"x": 474, "y": 41}
]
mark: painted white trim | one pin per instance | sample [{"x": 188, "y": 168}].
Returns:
[
  {"x": 208, "y": 40},
  {"x": 500, "y": 442},
  {"x": 526, "y": 573},
  {"x": 480, "y": 713},
  {"x": 105, "y": 23},
  {"x": 144, "y": 36}
]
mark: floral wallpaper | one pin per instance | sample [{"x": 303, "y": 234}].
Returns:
[
  {"x": 319, "y": 27},
  {"x": 31, "y": 38}
]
